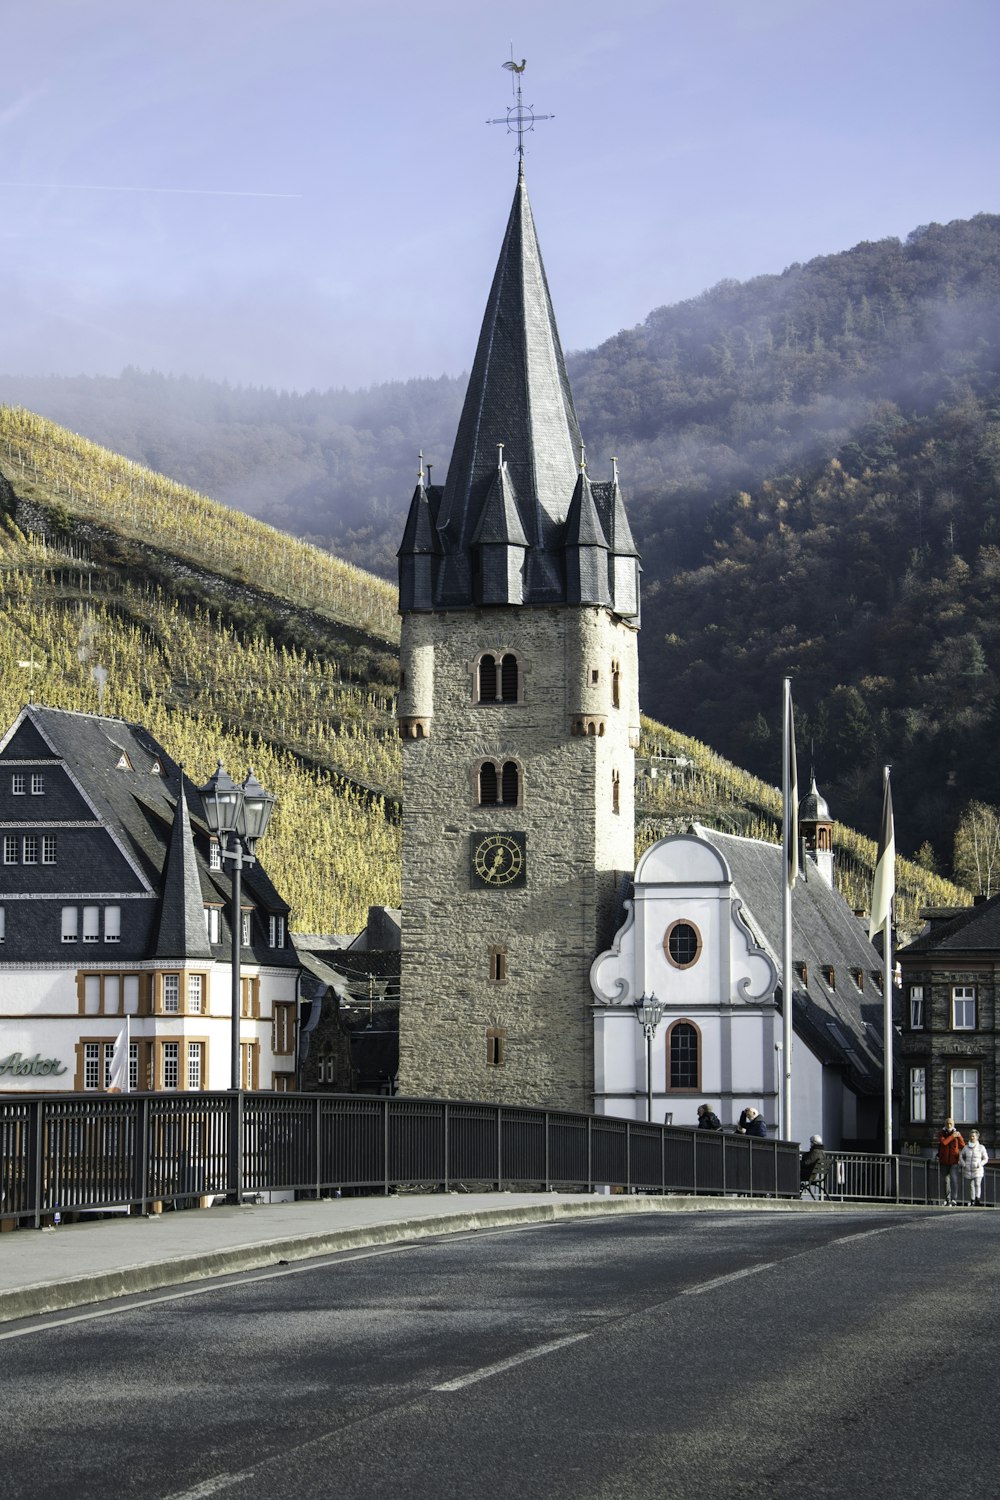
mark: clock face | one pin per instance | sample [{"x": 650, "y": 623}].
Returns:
[{"x": 499, "y": 859}]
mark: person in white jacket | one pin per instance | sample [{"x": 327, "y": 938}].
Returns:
[{"x": 973, "y": 1158}]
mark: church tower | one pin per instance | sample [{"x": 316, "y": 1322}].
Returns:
[{"x": 519, "y": 716}]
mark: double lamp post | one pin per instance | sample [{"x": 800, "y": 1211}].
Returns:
[{"x": 238, "y": 816}]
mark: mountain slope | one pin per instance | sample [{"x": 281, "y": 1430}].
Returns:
[{"x": 104, "y": 610}]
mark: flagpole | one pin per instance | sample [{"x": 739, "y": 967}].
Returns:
[
  {"x": 887, "y": 992},
  {"x": 789, "y": 842},
  {"x": 883, "y": 891}
]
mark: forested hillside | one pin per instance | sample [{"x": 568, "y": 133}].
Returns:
[
  {"x": 280, "y": 658},
  {"x": 811, "y": 466}
]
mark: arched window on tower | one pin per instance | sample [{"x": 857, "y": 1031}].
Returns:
[
  {"x": 487, "y": 685},
  {"x": 488, "y": 789},
  {"x": 498, "y": 678},
  {"x": 509, "y": 678},
  {"x": 683, "y": 1056},
  {"x": 499, "y": 785}
]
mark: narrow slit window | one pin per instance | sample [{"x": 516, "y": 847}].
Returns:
[{"x": 489, "y": 791}]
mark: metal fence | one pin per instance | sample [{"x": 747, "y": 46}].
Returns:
[
  {"x": 856, "y": 1177},
  {"x": 71, "y": 1153},
  {"x": 78, "y": 1152}
]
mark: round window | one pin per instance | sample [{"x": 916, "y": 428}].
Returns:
[{"x": 682, "y": 944}]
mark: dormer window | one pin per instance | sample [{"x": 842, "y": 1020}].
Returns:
[
  {"x": 829, "y": 978},
  {"x": 123, "y": 763}
]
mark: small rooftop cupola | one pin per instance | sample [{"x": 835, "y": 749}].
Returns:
[
  {"x": 586, "y": 545},
  {"x": 499, "y": 543},
  {"x": 182, "y": 932},
  {"x": 816, "y": 831},
  {"x": 417, "y": 549}
]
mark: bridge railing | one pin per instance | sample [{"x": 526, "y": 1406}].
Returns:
[{"x": 75, "y": 1152}]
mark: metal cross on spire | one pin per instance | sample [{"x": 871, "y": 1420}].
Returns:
[{"x": 520, "y": 117}]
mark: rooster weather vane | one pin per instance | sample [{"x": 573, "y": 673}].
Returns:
[{"x": 520, "y": 117}]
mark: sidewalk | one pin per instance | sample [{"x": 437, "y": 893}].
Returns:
[{"x": 44, "y": 1271}]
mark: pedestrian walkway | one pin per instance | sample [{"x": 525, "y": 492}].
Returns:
[{"x": 47, "y": 1270}]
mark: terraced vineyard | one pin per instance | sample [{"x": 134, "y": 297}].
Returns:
[{"x": 124, "y": 594}]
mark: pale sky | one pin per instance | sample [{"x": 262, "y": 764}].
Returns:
[{"x": 304, "y": 193}]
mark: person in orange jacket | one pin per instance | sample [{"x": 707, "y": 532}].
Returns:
[{"x": 950, "y": 1145}]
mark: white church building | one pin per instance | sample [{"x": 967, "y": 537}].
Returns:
[{"x": 701, "y": 934}]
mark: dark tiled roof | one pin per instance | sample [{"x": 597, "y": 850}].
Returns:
[
  {"x": 130, "y": 789},
  {"x": 974, "y": 930},
  {"x": 840, "y": 1022}
]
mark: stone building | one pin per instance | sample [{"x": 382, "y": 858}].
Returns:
[
  {"x": 519, "y": 715},
  {"x": 950, "y": 1041},
  {"x": 115, "y": 917}
]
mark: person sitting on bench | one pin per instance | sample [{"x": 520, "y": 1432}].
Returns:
[{"x": 812, "y": 1167}]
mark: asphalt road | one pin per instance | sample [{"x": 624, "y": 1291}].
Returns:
[{"x": 655, "y": 1358}]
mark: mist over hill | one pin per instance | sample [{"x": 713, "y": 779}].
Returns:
[{"x": 812, "y": 466}]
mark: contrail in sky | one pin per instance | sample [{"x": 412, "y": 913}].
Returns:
[{"x": 106, "y": 187}]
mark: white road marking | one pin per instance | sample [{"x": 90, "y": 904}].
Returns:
[
  {"x": 865, "y": 1234},
  {"x": 709, "y": 1286},
  {"x": 509, "y": 1364}
]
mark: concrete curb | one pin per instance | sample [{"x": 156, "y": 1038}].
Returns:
[{"x": 36, "y": 1299}]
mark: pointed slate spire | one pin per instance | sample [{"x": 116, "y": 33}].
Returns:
[
  {"x": 182, "y": 932},
  {"x": 624, "y": 561},
  {"x": 499, "y": 543},
  {"x": 518, "y": 395},
  {"x": 416, "y": 551},
  {"x": 586, "y": 546}
]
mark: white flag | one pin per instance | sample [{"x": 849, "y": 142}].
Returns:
[
  {"x": 884, "y": 887},
  {"x": 118, "y": 1079}
]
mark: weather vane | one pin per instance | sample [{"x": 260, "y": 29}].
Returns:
[{"x": 520, "y": 117}]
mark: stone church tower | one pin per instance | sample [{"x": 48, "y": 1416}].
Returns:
[{"x": 519, "y": 715}]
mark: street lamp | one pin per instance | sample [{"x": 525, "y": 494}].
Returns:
[
  {"x": 238, "y": 816},
  {"x": 649, "y": 1013}
]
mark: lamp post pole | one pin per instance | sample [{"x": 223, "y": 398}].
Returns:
[
  {"x": 238, "y": 816},
  {"x": 649, "y": 1013}
]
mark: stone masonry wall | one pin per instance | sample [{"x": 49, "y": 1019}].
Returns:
[{"x": 578, "y": 849}]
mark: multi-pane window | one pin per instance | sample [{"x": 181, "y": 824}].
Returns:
[
  {"x": 91, "y": 924},
  {"x": 37, "y": 784},
  {"x": 918, "y": 1095},
  {"x": 10, "y": 848},
  {"x": 133, "y": 1066},
  {"x": 17, "y": 783},
  {"x": 245, "y": 929},
  {"x": 214, "y": 855},
  {"x": 91, "y": 1065},
  {"x": 283, "y": 1027},
  {"x": 112, "y": 924},
  {"x": 964, "y": 1095},
  {"x": 171, "y": 993},
  {"x": 49, "y": 848},
  {"x": 29, "y": 849},
  {"x": 196, "y": 993},
  {"x": 196, "y": 1058},
  {"x": 171, "y": 1064},
  {"x": 70, "y": 924},
  {"x": 963, "y": 1010},
  {"x": 683, "y": 944},
  {"x": 276, "y": 930},
  {"x": 683, "y": 1056},
  {"x": 916, "y": 1007},
  {"x": 213, "y": 922}
]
